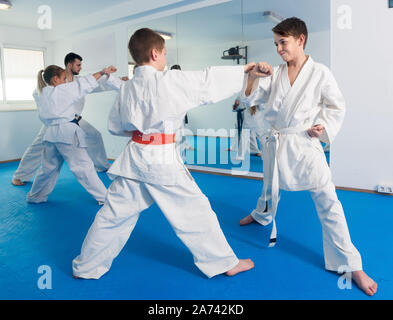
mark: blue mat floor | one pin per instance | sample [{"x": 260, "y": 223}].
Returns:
[{"x": 155, "y": 264}]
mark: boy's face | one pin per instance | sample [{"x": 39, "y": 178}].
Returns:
[{"x": 289, "y": 48}]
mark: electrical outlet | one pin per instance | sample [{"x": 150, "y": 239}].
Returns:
[{"x": 385, "y": 189}]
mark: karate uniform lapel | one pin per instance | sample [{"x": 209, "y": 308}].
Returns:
[{"x": 294, "y": 93}]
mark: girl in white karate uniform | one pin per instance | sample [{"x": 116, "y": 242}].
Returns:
[
  {"x": 150, "y": 108},
  {"x": 31, "y": 159},
  {"x": 63, "y": 139},
  {"x": 303, "y": 105}
]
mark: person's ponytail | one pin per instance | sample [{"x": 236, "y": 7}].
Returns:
[{"x": 40, "y": 81}]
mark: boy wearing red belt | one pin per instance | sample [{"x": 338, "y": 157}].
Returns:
[{"x": 150, "y": 108}]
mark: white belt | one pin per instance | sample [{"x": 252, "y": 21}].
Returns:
[{"x": 273, "y": 137}]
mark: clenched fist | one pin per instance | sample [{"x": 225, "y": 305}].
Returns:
[
  {"x": 316, "y": 131},
  {"x": 248, "y": 67},
  {"x": 261, "y": 70},
  {"x": 110, "y": 69}
]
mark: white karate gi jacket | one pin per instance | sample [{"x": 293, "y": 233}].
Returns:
[
  {"x": 154, "y": 101},
  {"x": 313, "y": 99},
  {"x": 57, "y": 106},
  {"x": 56, "y": 109}
]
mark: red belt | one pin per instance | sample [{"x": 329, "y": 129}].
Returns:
[{"x": 153, "y": 138}]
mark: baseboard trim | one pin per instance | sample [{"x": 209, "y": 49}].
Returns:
[
  {"x": 255, "y": 176},
  {"x": 8, "y": 161},
  {"x": 364, "y": 191}
]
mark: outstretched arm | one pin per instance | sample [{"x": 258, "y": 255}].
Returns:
[
  {"x": 65, "y": 95},
  {"x": 109, "y": 82},
  {"x": 195, "y": 88}
]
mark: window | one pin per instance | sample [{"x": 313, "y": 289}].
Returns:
[{"x": 21, "y": 67}]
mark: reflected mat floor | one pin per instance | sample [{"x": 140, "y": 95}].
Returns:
[
  {"x": 154, "y": 264},
  {"x": 212, "y": 152}
]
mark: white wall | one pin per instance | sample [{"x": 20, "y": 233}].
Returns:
[
  {"x": 362, "y": 154},
  {"x": 18, "y": 128}
]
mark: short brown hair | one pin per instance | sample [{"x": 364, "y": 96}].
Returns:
[
  {"x": 142, "y": 42},
  {"x": 292, "y": 27}
]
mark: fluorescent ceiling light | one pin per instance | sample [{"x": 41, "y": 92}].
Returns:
[
  {"x": 165, "y": 35},
  {"x": 272, "y": 16},
  {"x": 5, "y": 4}
]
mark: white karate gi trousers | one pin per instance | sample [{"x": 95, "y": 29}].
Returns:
[
  {"x": 339, "y": 252},
  {"x": 79, "y": 163},
  {"x": 31, "y": 159},
  {"x": 95, "y": 146},
  {"x": 184, "y": 205}
]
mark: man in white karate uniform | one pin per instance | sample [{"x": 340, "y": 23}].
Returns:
[
  {"x": 150, "y": 108},
  {"x": 95, "y": 143},
  {"x": 31, "y": 159},
  {"x": 303, "y": 105}
]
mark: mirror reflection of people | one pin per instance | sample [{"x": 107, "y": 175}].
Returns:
[
  {"x": 141, "y": 179},
  {"x": 253, "y": 122},
  {"x": 304, "y": 106},
  {"x": 236, "y": 142},
  {"x": 248, "y": 118},
  {"x": 181, "y": 138}
]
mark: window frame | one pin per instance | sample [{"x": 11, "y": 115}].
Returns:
[{"x": 17, "y": 105}]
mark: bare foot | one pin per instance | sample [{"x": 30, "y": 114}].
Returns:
[
  {"x": 364, "y": 282},
  {"x": 247, "y": 220},
  {"x": 17, "y": 182},
  {"x": 243, "y": 265}
]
